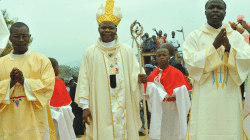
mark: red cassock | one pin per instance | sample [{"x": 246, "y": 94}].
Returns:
[
  {"x": 171, "y": 79},
  {"x": 60, "y": 95}
]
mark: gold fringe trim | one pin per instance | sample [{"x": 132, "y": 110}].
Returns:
[
  {"x": 52, "y": 130},
  {"x": 216, "y": 77}
]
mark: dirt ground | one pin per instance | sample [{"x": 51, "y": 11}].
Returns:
[{"x": 141, "y": 138}]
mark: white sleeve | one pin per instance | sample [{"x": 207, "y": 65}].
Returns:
[
  {"x": 183, "y": 104},
  {"x": 7, "y": 97},
  {"x": 83, "y": 103},
  {"x": 29, "y": 94}
]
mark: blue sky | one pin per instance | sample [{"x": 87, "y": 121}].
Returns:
[{"x": 64, "y": 29}]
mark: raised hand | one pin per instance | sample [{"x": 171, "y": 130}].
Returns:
[{"x": 243, "y": 23}]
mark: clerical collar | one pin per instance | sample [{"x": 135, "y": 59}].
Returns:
[
  {"x": 171, "y": 57},
  {"x": 213, "y": 27},
  {"x": 19, "y": 56},
  {"x": 163, "y": 69},
  {"x": 108, "y": 44}
]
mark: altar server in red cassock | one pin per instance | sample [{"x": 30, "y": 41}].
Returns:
[
  {"x": 61, "y": 110},
  {"x": 167, "y": 88}
]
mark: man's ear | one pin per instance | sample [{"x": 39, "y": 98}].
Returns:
[{"x": 99, "y": 29}]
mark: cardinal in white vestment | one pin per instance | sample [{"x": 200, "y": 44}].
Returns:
[
  {"x": 61, "y": 110},
  {"x": 167, "y": 89},
  {"x": 218, "y": 60},
  {"x": 108, "y": 83}
]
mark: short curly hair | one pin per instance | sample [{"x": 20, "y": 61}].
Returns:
[
  {"x": 215, "y": 0},
  {"x": 18, "y": 25}
]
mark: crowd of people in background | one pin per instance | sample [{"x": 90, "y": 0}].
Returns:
[
  {"x": 151, "y": 44},
  {"x": 106, "y": 96}
]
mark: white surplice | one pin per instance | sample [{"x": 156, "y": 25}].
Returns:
[
  {"x": 63, "y": 120},
  {"x": 168, "y": 119}
]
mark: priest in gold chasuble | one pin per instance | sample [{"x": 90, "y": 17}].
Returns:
[
  {"x": 108, "y": 83},
  {"x": 26, "y": 86}
]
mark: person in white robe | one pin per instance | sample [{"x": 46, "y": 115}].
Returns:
[
  {"x": 246, "y": 114},
  {"x": 218, "y": 60},
  {"x": 108, "y": 85},
  {"x": 167, "y": 88}
]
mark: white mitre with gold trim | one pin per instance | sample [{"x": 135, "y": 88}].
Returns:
[{"x": 109, "y": 11}]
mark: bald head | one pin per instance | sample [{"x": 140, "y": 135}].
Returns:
[
  {"x": 169, "y": 47},
  {"x": 209, "y": 1}
]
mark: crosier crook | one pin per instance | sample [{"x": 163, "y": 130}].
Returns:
[{"x": 138, "y": 33}]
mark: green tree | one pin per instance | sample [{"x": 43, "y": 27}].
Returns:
[
  {"x": 9, "y": 22},
  {"x": 67, "y": 71}
]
